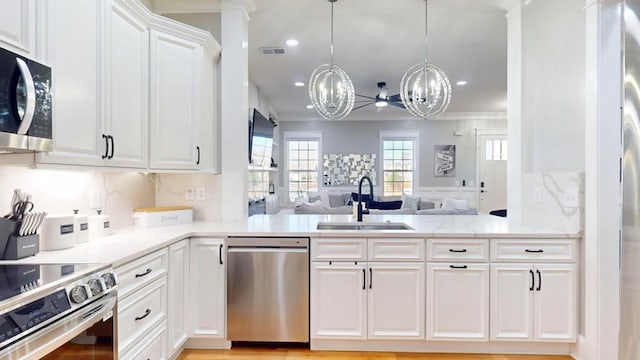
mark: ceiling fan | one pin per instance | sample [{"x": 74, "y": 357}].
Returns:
[{"x": 382, "y": 99}]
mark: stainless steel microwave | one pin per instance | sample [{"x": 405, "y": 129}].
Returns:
[{"x": 25, "y": 104}]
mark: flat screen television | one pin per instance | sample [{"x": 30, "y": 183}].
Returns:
[{"x": 260, "y": 139}]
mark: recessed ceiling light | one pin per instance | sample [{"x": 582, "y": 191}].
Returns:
[
  {"x": 461, "y": 83},
  {"x": 292, "y": 42},
  {"x": 309, "y": 106},
  {"x": 298, "y": 83}
]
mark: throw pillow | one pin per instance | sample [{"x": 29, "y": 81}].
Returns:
[
  {"x": 451, "y": 204},
  {"x": 410, "y": 202},
  {"x": 385, "y": 205},
  {"x": 336, "y": 200},
  {"x": 426, "y": 204}
]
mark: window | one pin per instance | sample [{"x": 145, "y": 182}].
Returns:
[
  {"x": 302, "y": 166},
  {"x": 399, "y": 165},
  {"x": 258, "y": 184},
  {"x": 496, "y": 150}
]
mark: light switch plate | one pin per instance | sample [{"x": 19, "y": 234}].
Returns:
[
  {"x": 537, "y": 195},
  {"x": 200, "y": 193},
  {"x": 95, "y": 200}
]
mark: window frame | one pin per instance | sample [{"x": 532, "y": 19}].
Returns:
[
  {"x": 301, "y": 136},
  {"x": 401, "y": 136}
]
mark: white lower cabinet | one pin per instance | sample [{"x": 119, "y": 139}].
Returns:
[
  {"x": 207, "y": 306},
  {"x": 396, "y": 301},
  {"x": 354, "y": 300},
  {"x": 178, "y": 291},
  {"x": 153, "y": 347},
  {"x": 457, "y": 302},
  {"x": 338, "y": 300},
  {"x": 533, "y": 302}
]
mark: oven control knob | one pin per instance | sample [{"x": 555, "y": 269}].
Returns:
[
  {"x": 78, "y": 294},
  {"x": 109, "y": 280},
  {"x": 96, "y": 286}
]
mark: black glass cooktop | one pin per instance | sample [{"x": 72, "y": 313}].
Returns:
[{"x": 23, "y": 278}]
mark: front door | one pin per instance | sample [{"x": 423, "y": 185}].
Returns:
[{"x": 492, "y": 171}]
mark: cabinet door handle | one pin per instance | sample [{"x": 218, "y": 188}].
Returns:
[
  {"x": 113, "y": 147},
  {"x": 533, "y": 280},
  {"x": 220, "y": 254},
  {"x": 146, "y": 313},
  {"x": 534, "y": 251},
  {"x": 370, "y": 278},
  {"x": 458, "y": 250},
  {"x": 147, "y": 272},
  {"x": 539, "y": 280},
  {"x": 106, "y": 146},
  {"x": 364, "y": 279},
  {"x": 198, "y": 161},
  {"x": 458, "y": 267}
]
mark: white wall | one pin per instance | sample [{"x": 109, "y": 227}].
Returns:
[
  {"x": 553, "y": 86},
  {"x": 259, "y": 101},
  {"x": 59, "y": 192}
]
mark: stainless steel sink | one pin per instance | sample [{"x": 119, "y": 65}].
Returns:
[{"x": 363, "y": 226}]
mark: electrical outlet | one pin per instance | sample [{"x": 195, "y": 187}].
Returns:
[
  {"x": 200, "y": 193},
  {"x": 456, "y": 183},
  {"x": 188, "y": 193},
  {"x": 472, "y": 183},
  {"x": 95, "y": 200},
  {"x": 570, "y": 198},
  {"x": 537, "y": 195}
]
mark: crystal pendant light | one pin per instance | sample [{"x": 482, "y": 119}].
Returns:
[
  {"x": 330, "y": 88},
  {"x": 425, "y": 89}
]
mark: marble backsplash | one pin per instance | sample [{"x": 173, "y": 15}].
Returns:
[
  {"x": 544, "y": 203},
  {"x": 61, "y": 191},
  {"x": 171, "y": 189}
]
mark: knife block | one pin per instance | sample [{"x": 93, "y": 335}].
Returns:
[
  {"x": 19, "y": 247},
  {"x": 7, "y": 229}
]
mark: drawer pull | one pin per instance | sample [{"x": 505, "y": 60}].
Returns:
[
  {"x": 147, "y": 272},
  {"x": 458, "y": 267},
  {"x": 146, "y": 313},
  {"x": 534, "y": 251},
  {"x": 458, "y": 250}
]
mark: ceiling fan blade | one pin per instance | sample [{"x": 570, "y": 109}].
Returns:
[
  {"x": 395, "y": 98},
  {"x": 366, "y": 97},
  {"x": 396, "y": 104},
  {"x": 361, "y": 106}
]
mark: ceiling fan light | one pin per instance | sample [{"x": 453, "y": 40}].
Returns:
[{"x": 381, "y": 103}]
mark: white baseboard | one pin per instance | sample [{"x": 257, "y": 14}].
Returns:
[
  {"x": 578, "y": 348},
  {"x": 205, "y": 343},
  {"x": 528, "y": 348}
]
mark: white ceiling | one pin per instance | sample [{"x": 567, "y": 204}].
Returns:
[{"x": 378, "y": 40}]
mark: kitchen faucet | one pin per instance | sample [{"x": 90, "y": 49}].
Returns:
[{"x": 360, "y": 195}]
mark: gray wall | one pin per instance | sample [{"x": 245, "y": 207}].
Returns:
[{"x": 362, "y": 137}]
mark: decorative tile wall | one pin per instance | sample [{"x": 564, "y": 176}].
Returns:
[{"x": 347, "y": 169}]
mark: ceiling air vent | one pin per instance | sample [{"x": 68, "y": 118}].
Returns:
[{"x": 272, "y": 51}]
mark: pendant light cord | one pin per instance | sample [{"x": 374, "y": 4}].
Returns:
[
  {"x": 426, "y": 52},
  {"x": 332, "y": 34}
]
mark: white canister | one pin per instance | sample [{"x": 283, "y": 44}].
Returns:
[
  {"x": 57, "y": 232},
  {"x": 81, "y": 227},
  {"x": 99, "y": 225}
]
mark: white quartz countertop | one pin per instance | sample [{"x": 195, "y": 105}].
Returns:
[{"x": 126, "y": 245}]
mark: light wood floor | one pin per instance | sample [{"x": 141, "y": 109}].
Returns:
[{"x": 297, "y": 354}]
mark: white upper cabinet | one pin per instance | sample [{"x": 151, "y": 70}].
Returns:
[
  {"x": 72, "y": 31},
  {"x": 18, "y": 26},
  {"x": 209, "y": 143},
  {"x": 126, "y": 85},
  {"x": 176, "y": 72}
]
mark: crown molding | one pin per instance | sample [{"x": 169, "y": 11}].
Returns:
[{"x": 387, "y": 116}]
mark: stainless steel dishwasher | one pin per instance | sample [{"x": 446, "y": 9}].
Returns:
[{"x": 268, "y": 289}]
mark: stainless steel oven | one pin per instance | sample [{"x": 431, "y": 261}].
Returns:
[{"x": 58, "y": 312}]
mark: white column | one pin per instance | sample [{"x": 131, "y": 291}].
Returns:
[
  {"x": 514, "y": 110},
  {"x": 602, "y": 183},
  {"x": 234, "y": 111}
]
